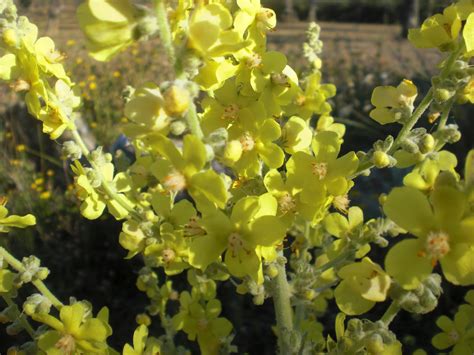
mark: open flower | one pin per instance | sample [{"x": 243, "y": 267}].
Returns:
[
  {"x": 438, "y": 31},
  {"x": 251, "y": 232},
  {"x": 178, "y": 171},
  {"x": 75, "y": 330},
  {"x": 393, "y": 104},
  {"x": 443, "y": 231},
  {"x": 93, "y": 199},
  {"x": 322, "y": 174},
  {"x": 363, "y": 284},
  {"x": 8, "y": 222},
  {"x": 202, "y": 321},
  {"x": 108, "y": 25}
]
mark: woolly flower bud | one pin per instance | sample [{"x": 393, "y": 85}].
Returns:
[
  {"x": 37, "y": 303},
  {"x": 272, "y": 271},
  {"x": 443, "y": 95},
  {"x": 427, "y": 143},
  {"x": 10, "y": 37},
  {"x": 423, "y": 299},
  {"x": 32, "y": 270},
  {"x": 178, "y": 128},
  {"x": 143, "y": 319},
  {"x": 71, "y": 150},
  {"x": 177, "y": 101},
  {"x": 380, "y": 159},
  {"x": 15, "y": 328}
]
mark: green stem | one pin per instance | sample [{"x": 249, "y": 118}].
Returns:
[
  {"x": 193, "y": 121},
  {"x": 338, "y": 260},
  {"x": 165, "y": 31},
  {"x": 390, "y": 313},
  {"x": 283, "y": 310},
  {"x": 24, "y": 322},
  {"x": 18, "y": 266},
  {"x": 422, "y": 107}
]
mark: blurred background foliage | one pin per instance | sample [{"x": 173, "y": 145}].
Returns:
[{"x": 363, "y": 48}]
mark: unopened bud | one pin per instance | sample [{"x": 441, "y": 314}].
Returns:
[
  {"x": 177, "y": 101},
  {"x": 178, "y": 127},
  {"x": 272, "y": 271},
  {"x": 10, "y": 37},
  {"x": 143, "y": 319},
  {"x": 443, "y": 95},
  {"x": 380, "y": 159},
  {"x": 427, "y": 144},
  {"x": 71, "y": 150}
]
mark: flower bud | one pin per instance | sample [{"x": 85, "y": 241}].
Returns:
[
  {"x": 374, "y": 344},
  {"x": 177, "y": 101},
  {"x": 178, "y": 128},
  {"x": 380, "y": 159},
  {"x": 71, "y": 150},
  {"x": 143, "y": 319},
  {"x": 15, "y": 328},
  {"x": 421, "y": 300},
  {"x": 272, "y": 271},
  {"x": 37, "y": 303},
  {"x": 427, "y": 144},
  {"x": 443, "y": 95},
  {"x": 309, "y": 295},
  {"x": 10, "y": 37}
]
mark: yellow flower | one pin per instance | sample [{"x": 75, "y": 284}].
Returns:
[
  {"x": 117, "y": 74},
  {"x": 45, "y": 195},
  {"x": 70, "y": 42},
  {"x": 50, "y": 172},
  {"x": 20, "y": 148},
  {"x": 92, "y": 86}
]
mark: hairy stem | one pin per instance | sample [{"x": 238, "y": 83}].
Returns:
[
  {"x": 390, "y": 313},
  {"x": 18, "y": 266},
  {"x": 419, "y": 111},
  {"x": 24, "y": 322},
  {"x": 283, "y": 310},
  {"x": 165, "y": 30}
]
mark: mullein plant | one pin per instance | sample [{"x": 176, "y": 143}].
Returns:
[{"x": 239, "y": 176}]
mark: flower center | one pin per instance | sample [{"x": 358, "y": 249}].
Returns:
[
  {"x": 280, "y": 79},
  {"x": 320, "y": 170},
  {"x": 286, "y": 203},
  {"x": 202, "y": 324},
  {"x": 231, "y": 112},
  {"x": 300, "y": 100},
  {"x": 264, "y": 16},
  {"x": 254, "y": 61},
  {"x": 192, "y": 228},
  {"x": 174, "y": 182},
  {"x": 66, "y": 344},
  {"x": 454, "y": 336},
  {"x": 341, "y": 203},
  {"x": 168, "y": 255},
  {"x": 235, "y": 243},
  {"x": 247, "y": 141},
  {"x": 437, "y": 245}
]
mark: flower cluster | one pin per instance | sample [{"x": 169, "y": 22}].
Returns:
[{"x": 237, "y": 157}]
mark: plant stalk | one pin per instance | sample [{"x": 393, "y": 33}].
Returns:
[
  {"x": 283, "y": 310},
  {"x": 18, "y": 266}
]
